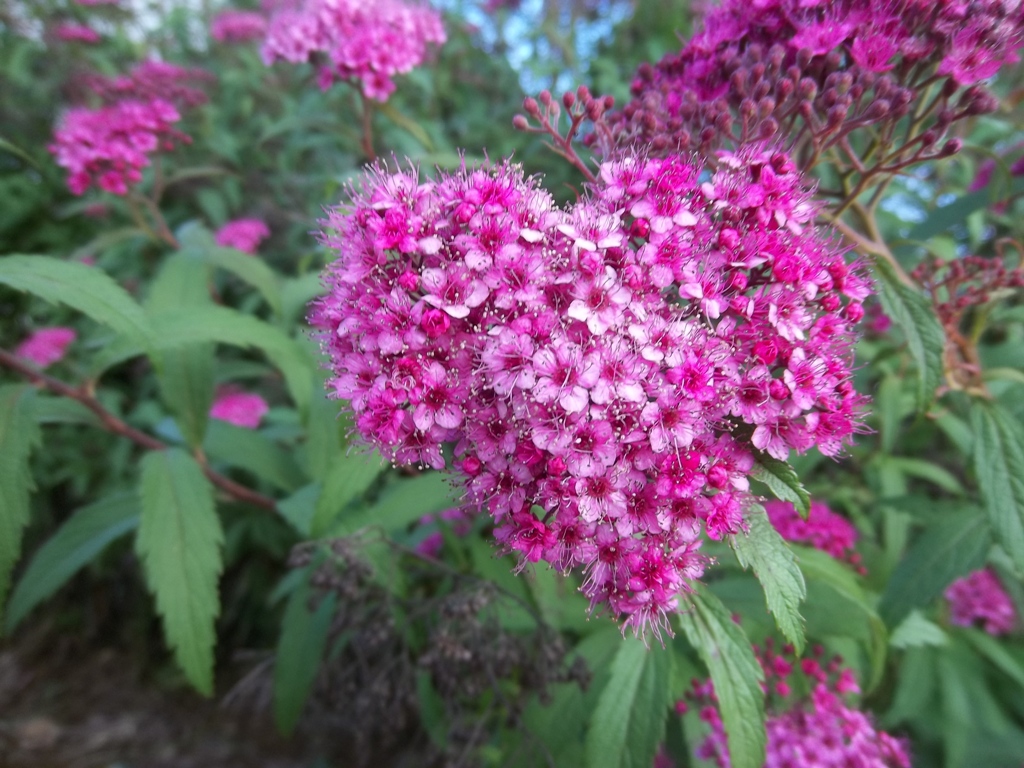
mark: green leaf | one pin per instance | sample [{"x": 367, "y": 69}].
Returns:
[
  {"x": 628, "y": 723},
  {"x": 999, "y": 468},
  {"x": 297, "y": 292},
  {"x": 348, "y": 479},
  {"x": 299, "y": 652},
  {"x": 837, "y": 605},
  {"x": 75, "y": 544},
  {"x": 217, "y": 324},
  {"x": 782, "y": 480},
  {"x": 63, "y": 410},
  {"x": 764, "y": 550},
  {"x": 401, "y": 503},
  {"x": 198, "y": 245},
  {"x": 950, "y": 548},
  {"x": 179, "y": 542},
  {"x": 926, "y": 340},
  {"x": 19, "y": 434},
  {"x": 916, "y": 631},
  {"x": 925, "y": 470},
  {"x": 249, "y": 450},
  {"x": 735, "y": 672},
  {"x": 185, "y": 373},
  {"x": 299, "y": 508},
  {"x": 79, "y": 286}
]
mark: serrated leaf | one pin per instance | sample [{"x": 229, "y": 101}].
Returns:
[
  {"x": 628, "y": 722},
  {"x": 251, "y": 451},
  {"x": 221, "y": 325},
  {"x": 735, "y": 672},
  {"x": 75, "y": 544},
  {"x": 179, "y": 543},
  {"x": 79, "y": 286},
  {"x": 348, "y": 479},
  {"x": 401, "y": 503},
  {"x": 999, "y": 468},
  {"x": 185, "y": 373},
  {"x": 848, "y": 609},
  {"x": 764, "y": 550},
  {"x": 19, "y": 434},
  {"x": 916, "y": 631},
  {"x": 300, "y": 650},
  {"x": 926, "y": 340},
  {"x": 782, "y": 480},
  {"x": 63, "y": 410},
  {"x": 948, "y": 549},
  {"x": 198, "y": 245}
]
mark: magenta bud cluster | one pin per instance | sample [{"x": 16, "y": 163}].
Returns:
[
  {"x": 979, "y": 597},
  {"x": 353, "y": 40},
  {"x": 598, "y": 378}
]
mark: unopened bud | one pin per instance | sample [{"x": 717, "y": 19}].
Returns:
[
  {"x": 784, "y": 89},
  {"x": 769, "y": 128},
  {"x": 928, "y": 138},
  {"x": 520, "y": 123},
  {"x": 545, "y": 98},
  {"x": 765, "y": 107},
  {"x": 568, "y": 99},
  {"x": 808, "y": 89},
  {"x": 583, "y": 93},
  {"x": 531, "y": 106},
  {"x": 878, "y": 109},
  {"x": 951, "y": 147}
]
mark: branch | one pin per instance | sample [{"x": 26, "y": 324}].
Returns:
[{"x": 117, "y": 426}]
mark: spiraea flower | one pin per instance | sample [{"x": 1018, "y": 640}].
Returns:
[
  {"x": 243, "y": 234},
  {"x": 243, "y": 409},
  {"x": 77, "y": 33},
  {"x": 980, "y": 597},
  {"x": 603, "y": 375},
  {"x": 828, "y": 68},
  {"x": 820, "y": 728},
  {"x": 353, "y": 40},
  {"x": 109, "y": 147},
  {"x": 238, "y": 26},
  {"x": 823, "y": 529},
  {"x": 46, "y": 346},
  {"x": 151, "y": 80}
]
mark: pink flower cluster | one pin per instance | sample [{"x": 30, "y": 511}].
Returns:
[
  {"x": 820, "y": 729},
  {"x": 77, "y": 33},
  {"x": 46, "y": 346},
  {"x": 604, "y": 373},
  {"x": 458, "y": 518},
  {"x": 243, "y": 234},
  {"x": 243, "y": 409},
  {"x": 150, "y": 80},
  {"x": 110, "y": 146},
  {"x": 980, "y": 597},
  {"x": 823, "y": 529},
  {"x": 238, "y": 26},
  {"x": 368, "y": 42},
  {"x": 830, "y": 67}
]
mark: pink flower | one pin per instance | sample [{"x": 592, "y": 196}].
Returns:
[
  {"x": 370, "y": 43},
  {"x": 244, "y": 235},
  {"x": 77, "y": 33},
  {"x": 46, "y": 346},
  {"x": 820, "y": 728},
  {"x": 238, "y": 26},
  {"x": 980, "y": 597},
  {"x": 823, "y": 529},
  {"x": 243, "y": 409},
  {"x": 587, "y": 401},
  {"x": 109, "y": 147}
]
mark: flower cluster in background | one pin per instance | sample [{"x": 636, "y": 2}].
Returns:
[
  {"x": 46, "y": 346},
  {"x": 980, "y": 597},
  {"x": 109, "y": 146},
  {"x": 603, "y": 373},
  {"x": 238, "y": 26},
  {"x": 77, "y": 33},
  {"x": 823, "y": 529},
  {"x": 354, "y": 40},
  {"x": 243, "y": 234},
  {"x": 820, "y": 71},
  {"x": 810, "y": 722}
]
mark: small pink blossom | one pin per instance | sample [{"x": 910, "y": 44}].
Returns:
[
  {"x": 46, "y": 346},
  {"x": 980, "y": 597},
  {"x": 244, "y": 235},
  {"x": 243, "y": 409},
  {"x": 238, "y": 26}
]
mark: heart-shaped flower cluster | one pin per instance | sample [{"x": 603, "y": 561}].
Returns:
[{"x": 600, "y": 375}]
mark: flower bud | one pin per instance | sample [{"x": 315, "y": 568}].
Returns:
[
  {"x": 545, "y": 98},
  {"x": 568, "y": 99},
  {"x": 951, "y": 147},
  {"x": 808, "y": 89},
  {"x": 878, "y": 109},
  {"x": 520, "y": 123},
  {"x": 531, "y": 106},
  {"x": 769, "y": 128}
]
